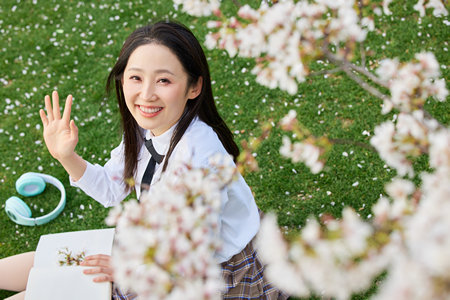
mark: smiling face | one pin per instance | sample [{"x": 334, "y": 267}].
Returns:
[{"x": 155, "y": 86}]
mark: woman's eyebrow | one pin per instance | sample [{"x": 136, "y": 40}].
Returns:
[{"x": 158, "y": 71}]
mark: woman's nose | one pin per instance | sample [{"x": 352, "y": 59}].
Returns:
[{"x": 148, "y": 92}]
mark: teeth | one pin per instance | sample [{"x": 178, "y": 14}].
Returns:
[{"x": 150, "y": 110}]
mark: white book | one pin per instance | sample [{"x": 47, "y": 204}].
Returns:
[{"x": 51, "y": 281}]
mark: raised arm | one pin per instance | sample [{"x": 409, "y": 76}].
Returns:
[{"x": 61, "y": 135}]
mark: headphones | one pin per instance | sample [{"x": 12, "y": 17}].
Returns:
[{"x": 31, "y": 184}]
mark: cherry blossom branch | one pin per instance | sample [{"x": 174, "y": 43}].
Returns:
[
  {"x": 363, "y": 55},
  {"x": 341, "y": 257},
  {"x": 347, "y": 68},
  {"x": 428, "y": 116},
  {"x": 344, "y": 64},
  {"x": 361, "y": 45},
  {"x": 352, "y": 142},
  {"x": 324, "y": 72},
  {"x": 246, "y": 161},
  {"x": 177, "y": 251},
  {"x": 237, "y": 3}
]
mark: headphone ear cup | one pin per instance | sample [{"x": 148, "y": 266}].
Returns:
[
  {"x": 30, "y": 185},
  {"x": 15, "y": 206}
]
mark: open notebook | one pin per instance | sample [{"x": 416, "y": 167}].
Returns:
[{"x": 48, "y": 280}]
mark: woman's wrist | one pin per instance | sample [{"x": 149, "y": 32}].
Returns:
[{"x": 75, "y": 165}]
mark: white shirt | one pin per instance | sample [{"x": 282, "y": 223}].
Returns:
[{"x": 239, "y": 217}]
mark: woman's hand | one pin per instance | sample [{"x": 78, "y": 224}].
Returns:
[
  {"x": 100, "y": 264},
  {"x": 60, "y": 134}
]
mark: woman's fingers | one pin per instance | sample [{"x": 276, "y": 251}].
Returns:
[
  {"x": 67, "y": 109},
  {"x": 43, "y": 117},
  {"x": 98, "y": 270},
  {"x": 73, "y": 130},
  {"x": 56, "y": 112},
  {"x": 97, "y": 260},
  {"x": 60, "y": 134},
  {"x": 106, "y": 273},
  {"x": 53, "y": 109},
  {"x": 48, "y": 108},
  {"x": 103, "y": 278},
  {"x": 101, "y": 264}
]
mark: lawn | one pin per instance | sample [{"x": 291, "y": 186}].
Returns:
[{"x": 70, "y": 46}]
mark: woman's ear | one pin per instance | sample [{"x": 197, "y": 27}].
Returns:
[{"x": 196, "y": 89}]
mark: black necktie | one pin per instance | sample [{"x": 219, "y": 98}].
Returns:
[{"x": 148, "y": 174}]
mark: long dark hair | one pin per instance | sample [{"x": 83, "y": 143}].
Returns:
[{"x": 181, "y": 41}]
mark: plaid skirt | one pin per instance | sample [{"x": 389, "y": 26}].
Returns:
[
  {"x": 118, "y": 294},
  {"x": 244, "y": 279}
]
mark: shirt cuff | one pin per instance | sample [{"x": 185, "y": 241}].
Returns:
[{"x": 86, "y": 178}]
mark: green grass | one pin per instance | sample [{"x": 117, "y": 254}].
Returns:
[{"x": 70, "y": 46}]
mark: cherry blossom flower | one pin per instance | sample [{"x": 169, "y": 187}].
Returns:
[
  {"x": 412, "y": 83},
  {"x": 438, "y": 7},
  {"x": 283, "y": 35},
  {"x": 386, "y": 10},
  {"x": 440, "y": 149},
  {"x": 408, "y": 235},
  {"x": 289, "y": 121},
  {"x": 315, "y": 263},
  {"x": 305, "y": 152},
  {"x": 198, "y": 8},
  {"x": 383, "y": 142},
  {"x": 165, "y": 243}
]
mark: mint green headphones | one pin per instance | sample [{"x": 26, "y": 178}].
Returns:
[{"x": 31, "y": 184}]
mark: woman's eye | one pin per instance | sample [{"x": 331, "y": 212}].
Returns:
[
  {"x": 164, "y": 80},
  {"x": 135, "y": 78}
]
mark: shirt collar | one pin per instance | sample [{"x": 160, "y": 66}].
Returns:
[{"x": 161, "y": 142}]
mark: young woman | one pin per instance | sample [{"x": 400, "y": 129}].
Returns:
[{"x": 163, "y": 87}]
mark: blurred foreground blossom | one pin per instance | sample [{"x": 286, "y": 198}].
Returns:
[
  {"x": 308, "y": 150},
  {"x": 407, "y": 137},
  {"x": 165, "y": 243},
  {"x": 412, "y": 83},
  {"x": 324, "y": 260},
  {"x": 282, "y": 36},
  {"x": 305, "y": 152},
  {"x": 408, "y": 236},
  {"x": 198, "y": 8},
  {"x": 438, "y": 7}
]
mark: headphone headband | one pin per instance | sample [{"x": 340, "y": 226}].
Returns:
[{"x": 30, "y": 184}]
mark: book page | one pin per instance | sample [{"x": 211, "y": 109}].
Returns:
[
  {"x": 68, "y": 283},
  {"x": 97, "y": 241},
  {"x": 48, "y": 280}
]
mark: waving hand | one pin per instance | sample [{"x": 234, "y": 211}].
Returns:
[{"x": 61, "y": 135}]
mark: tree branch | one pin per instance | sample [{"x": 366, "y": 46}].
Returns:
[
  {"x": 363, "y": 55},
  {"x": 365, "y": 85},
  {"x": 351, "y": 142},
  {"x": 430, "y": 117},
  {"x": 366, "y": 73},
  {"x": 347, "y": 65},
  {"x": 361, "y": 45},
  {"x": 237, "y": 3},
  {"x": 322, "y": 72},
  {"x": 348, "y": 69}
]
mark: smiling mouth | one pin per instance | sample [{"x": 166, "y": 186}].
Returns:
[{"x": 149, "y": 110}]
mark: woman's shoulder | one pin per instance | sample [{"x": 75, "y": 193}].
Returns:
[
  {"x": 198, "y": 128},
  {"x": 201, "y": 135},
  {"x": 200, "y": 141}
]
